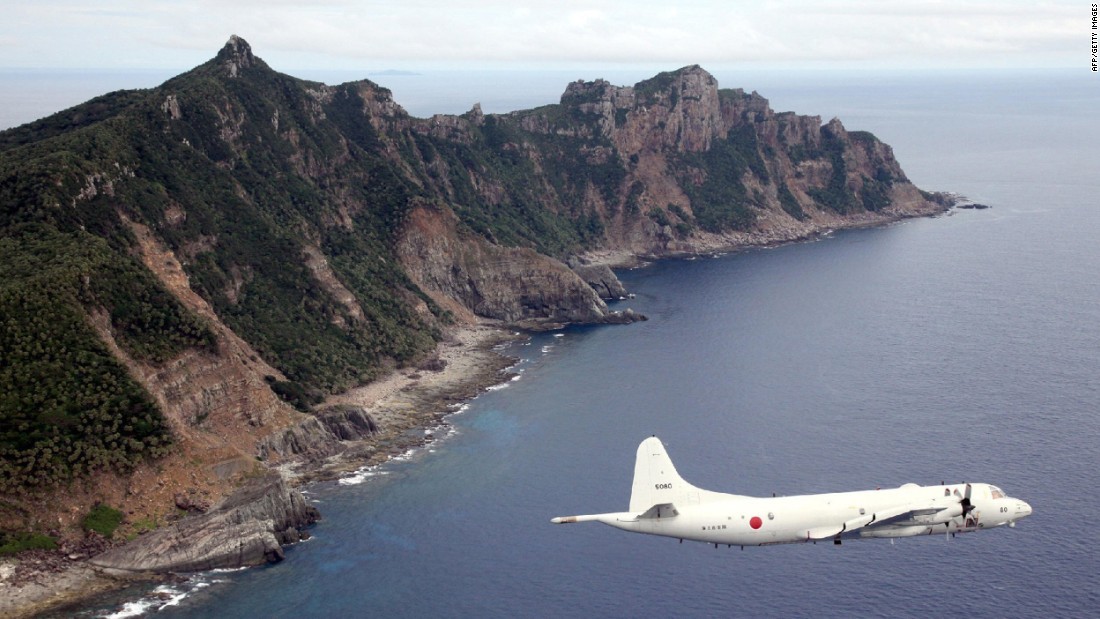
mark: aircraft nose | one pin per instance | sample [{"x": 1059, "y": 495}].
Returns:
[{"x": 1023, "y": 509}]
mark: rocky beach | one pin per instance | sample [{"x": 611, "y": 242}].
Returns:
[{"x": 402, "y": 405}]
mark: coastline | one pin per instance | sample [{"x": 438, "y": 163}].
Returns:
[
  {"x": 406, "y": 404},
  {"x": 771, "y": 235}
]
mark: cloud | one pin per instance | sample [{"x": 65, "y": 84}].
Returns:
[{"x": 352, "y": 34}]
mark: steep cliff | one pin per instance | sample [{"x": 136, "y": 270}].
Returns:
[
  {"x": 186, "y": 271},
  {"x": 704, "y": 167},
  {"x": 514, "y": 285}
]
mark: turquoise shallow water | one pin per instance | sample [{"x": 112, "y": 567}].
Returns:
[{"x": 964, "y": 347}]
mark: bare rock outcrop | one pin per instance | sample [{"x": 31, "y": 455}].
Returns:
[
  {"x": 514, "y": 285},
  {"x": 318, "y": 436},
  {"x": 602, "y": 279},
  {"x": 247, "y": 528}
]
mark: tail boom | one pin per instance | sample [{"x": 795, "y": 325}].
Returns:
[{"x": 610, "y": 518}]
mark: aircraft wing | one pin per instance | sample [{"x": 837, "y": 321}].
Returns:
[{"x": 868, "y": 521}]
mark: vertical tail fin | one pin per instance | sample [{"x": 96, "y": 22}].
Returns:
[{"x": 656, "y": 480}]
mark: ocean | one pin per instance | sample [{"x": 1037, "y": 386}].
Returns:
[{"x": 964, "y": 347}]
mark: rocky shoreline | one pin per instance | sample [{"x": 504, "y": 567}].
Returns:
[
  {"x": 395, "y": 413},
  {"x": 266, "y": 511}
]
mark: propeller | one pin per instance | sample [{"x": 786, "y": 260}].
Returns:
[
  {"x": 949, "y": 514},
  {"x": 965, "y": 502}
]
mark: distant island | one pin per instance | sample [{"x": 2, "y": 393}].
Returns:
[{"x": 216, "y": 289}]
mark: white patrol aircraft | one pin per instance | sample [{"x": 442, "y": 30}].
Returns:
[{"x": 662, "y": 503}]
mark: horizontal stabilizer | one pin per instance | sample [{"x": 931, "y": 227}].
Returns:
[{"x": 661, "y": 510}]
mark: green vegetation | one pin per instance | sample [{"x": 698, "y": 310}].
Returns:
[
  {"x": 865, "y": 137},
  {"x": 294, "y": 393},
  {"x": 875, "y": 194},
  {"x": 66, "y": 404},
  {"x": 790, "y": 204},
  {"x": 659, "y": 216},
  {"x": 143, "y": 525},
  {"x": 800, "y": 152},
  {"x": 653, "y": 90},
  {"x": 14, "y": 543},
  {"x": 721, "y": 202},
  {"x": 686, "y": 225},
  {"x": 103, "y": 519},
  {"x": 496, "y": 188},
  {"x": 836, "y": 195}
]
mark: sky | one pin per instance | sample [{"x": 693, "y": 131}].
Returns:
[{"x": 378, "y": 35}]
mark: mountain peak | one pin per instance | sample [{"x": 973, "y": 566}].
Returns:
[{"x": 236, "y": 55}]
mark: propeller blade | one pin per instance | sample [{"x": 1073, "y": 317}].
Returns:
[{"x": 965, "y": 502}]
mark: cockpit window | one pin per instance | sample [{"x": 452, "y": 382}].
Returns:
[{"x": 996, "y": 492}]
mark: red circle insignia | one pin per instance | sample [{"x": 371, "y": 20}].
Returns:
[{"x": 755, "y": 522}]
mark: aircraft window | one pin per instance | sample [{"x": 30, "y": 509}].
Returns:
[
  {"x": 997, "y": 493},
  {"x": 946, "y": 492}
]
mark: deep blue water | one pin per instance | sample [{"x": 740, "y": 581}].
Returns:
[{"x": 959, "y": 348}]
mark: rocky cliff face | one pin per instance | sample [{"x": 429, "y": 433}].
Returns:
[
  {"x": 317, "y": 437},
  {"x": 705, "y": 167},
  {"x": 513, "y": 285}
]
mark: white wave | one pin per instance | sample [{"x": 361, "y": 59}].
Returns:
[
  {"x": 360, "y": 476},
  {"x": 177, "y": 596},
  {"x": 226, "y": 570},
  {"x": 160, "y": 598},
  {"x": 131, "y": 609},
  {"x": 559, "y": 335}
]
